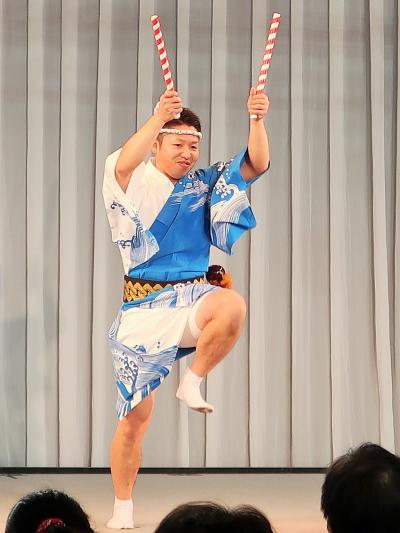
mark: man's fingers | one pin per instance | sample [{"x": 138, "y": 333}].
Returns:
[
  {"x": 168, "y": 110},
  {"x": 173, "y": 105},
  {"x": 172, "y": 108},
  {"x": 259, "y": 98},
  {"x": 170, "y": 97},
  {"x": 258, "y": 102},
  {"x": 171, "y": 101},
  {"x": 258, "y": 110},
  {"x": 175, "y": 100},
  {"x": 168, "y": 93},
  {"x": 259, "y": 106}
]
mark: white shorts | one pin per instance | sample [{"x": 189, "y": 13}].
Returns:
[{"x": 160, "y": 326}]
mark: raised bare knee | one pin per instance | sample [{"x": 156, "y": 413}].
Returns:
[{"x": 233, "y": 310}]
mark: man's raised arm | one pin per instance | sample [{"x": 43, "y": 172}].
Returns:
[
  {"x": 257, "y": 147},
  {"x": 137, "y": 147}
]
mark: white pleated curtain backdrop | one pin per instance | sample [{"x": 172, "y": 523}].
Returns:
[{"x": 317, "y": 367}]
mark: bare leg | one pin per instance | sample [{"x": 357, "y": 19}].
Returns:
[
  {"x": 220, "y": 317},
  {"x": 125, "y": 458}
]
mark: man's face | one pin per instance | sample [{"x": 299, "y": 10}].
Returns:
[{"x": 177, "y": 154}]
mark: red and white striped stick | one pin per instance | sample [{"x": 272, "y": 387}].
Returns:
[
  {"x": 269, "y": 46},
  {"x": 155, "y": 21}
]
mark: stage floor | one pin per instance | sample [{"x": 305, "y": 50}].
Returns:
[{"x": 291, "y": 501}]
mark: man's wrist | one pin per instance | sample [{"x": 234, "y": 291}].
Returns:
[
  {"x": 158, "y": 120},
  {"x": 258, "y": 120}
]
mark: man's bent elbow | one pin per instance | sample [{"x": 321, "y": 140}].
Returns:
[
  {"x": 260, "y": 169},
  {"x": 251, "y": 171}
]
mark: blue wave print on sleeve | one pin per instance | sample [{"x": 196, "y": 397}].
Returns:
[
  {"x": 230, "y": 211},
  {"x": 144, "y": 244}
]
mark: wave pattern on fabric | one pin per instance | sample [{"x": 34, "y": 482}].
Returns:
[
  {"x": 138, "y": 372},
  {"x": 230, "y": 217}
]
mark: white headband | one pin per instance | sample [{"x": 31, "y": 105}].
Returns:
[{"x": 182, "y": 132}]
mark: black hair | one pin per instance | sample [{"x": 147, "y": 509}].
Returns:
[
  {"x": 361, "y": 492},
  {"x": 186, "y": 117},
  {"x": 210, "y": 517},
  {"x": 30, "y": 511}
]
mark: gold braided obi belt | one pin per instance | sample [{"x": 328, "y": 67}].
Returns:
[{"x": 136, "y": 289}]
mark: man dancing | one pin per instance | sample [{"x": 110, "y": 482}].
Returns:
[{"x": 164, "y": 217}]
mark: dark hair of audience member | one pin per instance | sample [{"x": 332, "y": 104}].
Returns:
[
  {"x": 361, "y": 492},
  {"x": 47, "y": 511},
  {"x": 199, "y": 517}
]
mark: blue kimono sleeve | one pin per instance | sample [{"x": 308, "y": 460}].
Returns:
[{"x": 230, "y": 211}]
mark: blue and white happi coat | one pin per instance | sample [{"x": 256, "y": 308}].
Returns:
[{"x": 206, "y": 207}]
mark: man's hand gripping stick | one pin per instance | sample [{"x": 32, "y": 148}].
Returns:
[
  {"x": 162, "y": 52},
  {"x": 269, "y": 46}
]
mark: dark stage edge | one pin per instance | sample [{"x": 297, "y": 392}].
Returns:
[{"x": 9, "y": 471}]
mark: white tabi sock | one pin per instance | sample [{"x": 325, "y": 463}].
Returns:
[
  {"x": 122, "y": 517},
  {"x": 189, "y": 392}
]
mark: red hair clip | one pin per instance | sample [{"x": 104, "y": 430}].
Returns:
[{"x": 44, "y": 524}]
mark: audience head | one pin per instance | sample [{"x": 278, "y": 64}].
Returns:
[
  {"x": 209, "y": 517},
  {"x": 361, "y": 492},
  {"x": 47, "y": 511}
]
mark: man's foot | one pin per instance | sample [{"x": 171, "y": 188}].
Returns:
[
  {"x": 189, "y": 392},
  {"x": 122, "y": 517}
]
